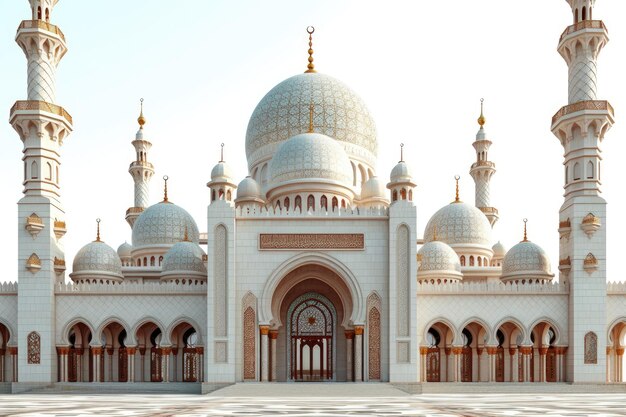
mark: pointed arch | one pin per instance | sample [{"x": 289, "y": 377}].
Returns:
[
  {"x": 115, "y": 319},
  {"x": 185, "y": 319},
  {"x": 551, "y": 323},
  {"x": 73, "y": 322}
]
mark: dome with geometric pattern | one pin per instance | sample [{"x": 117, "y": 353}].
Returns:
[
  {"x": 163, "y": 223},
  {"x": 526, "y": 260},
  {"x": 184, "y": 258},
  {"x": 310, "y": 156},
  {"x": 96, "y": 261},
  {"x": 460, "y": 223},
  {"x": 285, "y": 112},
  {"x": 124, "y": 250},
  {"x": 440, "y": 260}
]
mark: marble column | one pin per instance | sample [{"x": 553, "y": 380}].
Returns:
[
  {"x": 449, "y": 368},
  {"x": 130, "y": 351},
  {"x": 492, "y": 351},
  {"x": 2, "y": 351},
  {"x": 165, "y": 368},
  {"x": 349, "y": 348},
  {"x": 142, "y": 360},
  {"x": 609, "y": 360},
  {"x": 96, "y": 354},
  {"x": 79, "y": 364},
  {"x": 175, "y": 363},
  {"x": 513, "y": 365},
  {"x": 62, "y": 361},
  {"x": 526, "y": 351},
  {"x": 273, "y": 366},
  {"x": 619, "y": 355},
  {"x": 264, "y": 352},
  {"x": 358, "y": 353},
  {"x": 110, "y": 351},
  {"x": 13, "y": 352},
  {"x": 200, "y": 353},
  {"x": 456, "y": 352},
  {"x": 423, "y": 364},
  {"x": 543, "y": 369}
]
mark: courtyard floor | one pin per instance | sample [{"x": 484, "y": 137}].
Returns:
[{"x": 312, "y": 400}]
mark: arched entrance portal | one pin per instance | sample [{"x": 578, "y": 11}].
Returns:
[{"x": 312, "y": 340}]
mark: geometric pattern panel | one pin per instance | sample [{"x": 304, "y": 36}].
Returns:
[
  {"x": 34, "y": 348},
  {"x": 249, "y": 340},
  {"x": 402, "y": 283},
  {"x": 373, "y": 344}
]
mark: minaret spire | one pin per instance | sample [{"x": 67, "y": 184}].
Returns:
[
  {"x": 141, "y": 170},
  {"x": 482, "y": 170},
  {"x": 311, "y": 66},
  {"x": 98, "y": 230},
  {"x": 456, "y": 198}
]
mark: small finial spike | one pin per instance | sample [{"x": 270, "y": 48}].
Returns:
[
  {"x": 456, "y": 199},
  {"x": 311, "y": 113},
  {"x": 402, "y": 152},
  {"x": 525, "y": 234},
  {"x": 481, "y": 118},
  {"x": 98, "y": 230},
  {"x": 141, "y": 120},
  {"x": 310, "y": 67},
  {"x": 165, "y": 178},
  {"x": 222, "y": 152}
]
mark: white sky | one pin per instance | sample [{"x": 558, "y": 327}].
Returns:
[{"x": 420, "y": 66}]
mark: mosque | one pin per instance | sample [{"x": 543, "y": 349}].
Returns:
[{"x": 313, "y": 267}]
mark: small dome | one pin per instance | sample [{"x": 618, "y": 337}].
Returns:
[
  {"x": 526, "y": 260},
  {"x": 124, "y": 251},
  {"x": 163, "y": 223},
  {"x": 498, "y": 250},
  {"x": 401, "y": 173},
  {"x": 459, "y": 223},
  {"x": 184, "y": 257},
  {"x": 437, "y": 256},
  {"x": 97, "y": 259},
  {"x": 248, "y": 188},
  {"x": 310, "y": 156},
  {"x": 373, "y": 188},
  {"x": 221, "y": 172}
]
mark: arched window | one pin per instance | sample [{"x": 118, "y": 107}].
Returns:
[
  {"x": 47, "y": 14},
  {"x": 410, "y": 195},
  {"x": 220, "y": 194},
  {"x": 480, "y": 261},
  {"x": 34, "y": 170},
  {"x": 228, "y": 195},
  {"x": 310, "y": 203},
  {"x": 394, "y": 195},
  {"x": 212, "y": 195},
  {"x": 471, "y": 261},
  {"x": 49, "y": 171},
  {"x": 590, "y": 170},
  {"x": 39, "y": 13},
  {"x": 286, "y": 203},
  {"x": 160, "y": 260},
  {"x": 566, "y": 174},
  {"x": 403, "y": 194},
  {"x": 138, "y": 262},
  {"x": 57, "y": 176},
  {"x": 575, "y": 16},
  {"x": 145, "y": 261},
  {"x": 277, "y": 206},
  {"x": 584, "y": 17},
  {"x": 343, "y": 203},
  {"x": 335, "y": 203},
  {"x": 152, "y": 260},
  {"x": 577, "y": 171},
  {"x": 324, "y": 203},
  {"x": 591, "y": 348},
  {"x": 485, "y": 263},
  {"x": 298, "y": 203},
  {"x": 462, "y": 260}
]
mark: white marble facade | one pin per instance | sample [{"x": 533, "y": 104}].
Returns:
[{"x": 309, "y": 268}]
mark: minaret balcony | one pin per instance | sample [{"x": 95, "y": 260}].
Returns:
[
  {"x": 585, "y": 24},
  {"x": 141, "y": 164},
  {"x": 22, "y": 107},
  {"x": 41, "y": 24},
  {"x": 483, "y": 164},
  {"x": 582, "y": 113}
]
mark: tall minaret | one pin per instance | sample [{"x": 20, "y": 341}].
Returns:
[
  {"x": 580, "y": 126},
  {"x": 482, "y": 170},
  {"x": 42, "y": 126},
  {"x": 141, "y": 170}
]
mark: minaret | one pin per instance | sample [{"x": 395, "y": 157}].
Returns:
[
  {"x": 42, "y": 126},
  {"x": 580, "y": 126},
  {"x": 142, "y": 171},
  {"x": 482, "y": 170}
]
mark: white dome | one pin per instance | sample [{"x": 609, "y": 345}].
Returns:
[
  {"x": 310, "y": 156},
  {"x": 437, "y": 256},
  {"x": 338, "y": 113},
  {"x": 184, "y": 257},
  {"x": 99, "y": 259},
  {"x": 401, "y": 173},
  {"x": 124, "y": 250},
  {"x": 248, "y": 188},
  {"x": 459, "y": 223},
  {"x": 373, "y": 188},
  {"x": 221, "y": 172},
  {"x": 526, "y": 260},
  {"x": 163, "y": 223},
  {"x": 498, "y": 250}
]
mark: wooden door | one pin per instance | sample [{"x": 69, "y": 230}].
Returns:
[
  {"x": 466, "y": 364},
  {"x": 433, "y": 365}
]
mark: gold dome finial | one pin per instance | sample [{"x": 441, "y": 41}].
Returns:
[
  {"x": 457, "y": 199},
  {"x": 141, "y": 120},
  {"x": 402, "y": 152},
  {"x": 525, "y": 234},
  {"x": 311, "y": 67},
  {"x": 222, "y": 152},
  {"x": 311, "y": 112},
  {"x": 481, "y": 118},
  {"x": 165, "y": 178},
  {"x": 98, "y": 230}
]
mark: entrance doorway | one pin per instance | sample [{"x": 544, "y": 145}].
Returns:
[{"x": 311, "y": 344}]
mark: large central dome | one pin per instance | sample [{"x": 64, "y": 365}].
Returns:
[{"x": 284, "y": 112}]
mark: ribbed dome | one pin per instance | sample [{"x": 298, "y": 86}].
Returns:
[
  {"x": 97, "y": 259},
  {"x": 437, "y": 256},
  {"x": 338, "y": 112},
  {"x": 401, "y": 173},
  {"x": 221, "y": 172},
  {"x": 310, "y": 156},
  {"x": 248, "y": 188},
  {"x": 526, "y": 260},
  {"x": 163, "y": 223},
  {"x": 498, "y": 250},
  {"x": 124, "y": 250},
  {"x": 184, "y": 257},
  {"x": 459, "y": 223},
  {"x": 373, "y": 188}
]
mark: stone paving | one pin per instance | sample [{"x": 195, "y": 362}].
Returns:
[{"x": 352, "y": 400}]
